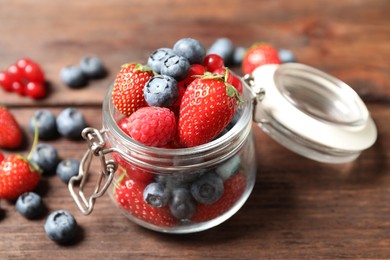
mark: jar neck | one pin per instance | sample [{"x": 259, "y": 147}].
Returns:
[{"x": 166, "y": 160}]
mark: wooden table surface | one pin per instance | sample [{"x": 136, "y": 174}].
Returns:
[{"x": 299, "y": 209}]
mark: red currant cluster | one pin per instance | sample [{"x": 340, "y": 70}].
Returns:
[{"x": 25, "y": 77}]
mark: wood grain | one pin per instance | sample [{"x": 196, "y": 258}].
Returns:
[{"x": 300, "y": 209}]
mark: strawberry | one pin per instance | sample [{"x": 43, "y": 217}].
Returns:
[
  {"x": 17, "y": 176},
  {"x": 128, "y": 91},
  {"x": 207, "y": 107},
  {"x": 233, "y": 189},
  {"x": 129, "y": 196},
  {"x": 132, "y": 171},
  {"x": 257, "y": 55},
  {"x": 10, "y": 133}
]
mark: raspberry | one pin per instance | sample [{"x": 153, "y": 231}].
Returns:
[{"x": 152, "y": 126}]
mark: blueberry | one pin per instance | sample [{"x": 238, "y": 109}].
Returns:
[
  {"x": 238, "y": 55},
  {"x": 46, "y": 157},
  {"x": 93, "y": 67},
  {"x": 224, "y": 48},
  {"x": 70, "y": 123},
  {"x": 46, "y": 124},
  {"x": 208, "y": 188},
  {"x": 161, "y": 91},
  {"x": 67, "y": 168},
  {"x": 190, "y": 48},
  {"x": 157, "y": 57},
  {"x": 229, "y": 168},
  {"x": 29, "y": 205},
  {"x": 182, "y": 205},
  {"x": 73, "y": 76},
  {"x": 176, "y": 66},
  {"x": 61, "y": 226},
  {"x": 155, "y": 195},
  {"x": 286, "y": 56}
]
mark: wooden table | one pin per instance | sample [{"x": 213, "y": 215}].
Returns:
[{"x": 300, "y": 209}]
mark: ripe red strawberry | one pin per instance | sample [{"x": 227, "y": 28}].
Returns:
[
  {"x": 17, "y": 176},
  {"x": 128, "y": 91},
  {"x": 207, "y": 107},
  {"x": 129, "y": 196},
  {"x": 233, "y": 189},
  {"x": 10, "y": 133},
  {"x": 132, "y": 171},
  {"x": 257, "y": 55}
]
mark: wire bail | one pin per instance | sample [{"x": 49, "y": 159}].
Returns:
[{"x": 108, "y": 167}]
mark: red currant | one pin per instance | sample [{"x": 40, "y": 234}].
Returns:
[
  {"x": 19, "y": 88},
  {"x": 22, "y": 63},
  {"x": 213, "y": 62},
  {"x": 15, "y": 72},
  {"x": 35, "y": 90},
  {"x": 6, "y": 80},
  {"x": 34, "y": 73}
]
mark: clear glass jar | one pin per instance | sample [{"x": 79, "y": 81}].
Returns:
[
  {"x": 302, "y": 108},
  {"x": 229, "y": 158}
]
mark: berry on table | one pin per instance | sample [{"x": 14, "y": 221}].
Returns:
[
  {"x": 286, "y": 55},
  {"x": 46, "y": 157},
  {"x": 73, "y": 76},
  {"x": 238, "y": 55},
  {"x": 157, "y": 58},
  {"x": 46, "y": 124},
  {"x": 29, "y": 205},
  {"x": 70, "y": 123},
  {"x": 6, "y": 81},
  {"x": 257, "y": 55},
  {"x": 93, "y": 67},
  {"x": 224, "y": 48},
  {"x": 60, "y": 226},
  {"x": 67, "y": 168},
  {"x": 208, "y": 188},
  {"x": 191, "y": 49},
  {"x": 128, "y": 91},
  {"x": 176, "y": 66},
  {"x": 35, "y": 90},
  {"x": 161, "y": 91},
  {"x": 152, "y": 126},
  {"x": 10, "y": 132},
  {"x": 17, "y": 176}
]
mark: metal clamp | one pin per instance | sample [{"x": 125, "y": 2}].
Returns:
[{"x": 108, "y": 167}]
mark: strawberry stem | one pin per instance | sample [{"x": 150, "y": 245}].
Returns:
[{"x": 35, "y": 141}]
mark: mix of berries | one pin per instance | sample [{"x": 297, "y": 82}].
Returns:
[
  {"x": 25, "y": 78},
  {"x": 184, "y": 96},
  {"x": 20, "y": 175}
]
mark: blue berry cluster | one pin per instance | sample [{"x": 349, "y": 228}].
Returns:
[
  {"x": 76, "y": 76},
  {"x": 172, "y": 65},
  {"x": 182, "y": 194}
]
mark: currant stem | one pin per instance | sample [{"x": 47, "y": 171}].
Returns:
[{"x": 35, "y": 141}]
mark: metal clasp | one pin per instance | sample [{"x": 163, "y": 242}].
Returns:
[
  {"x": 258, "y": 96},
  {"x": 108, "y": 167}
]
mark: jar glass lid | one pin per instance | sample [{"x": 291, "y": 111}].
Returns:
[{"x": 311, "y": 112}]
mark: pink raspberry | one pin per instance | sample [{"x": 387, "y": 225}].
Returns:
[{"x": 152, "y": 126}]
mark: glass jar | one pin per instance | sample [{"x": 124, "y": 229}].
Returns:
[
  {"x": 189, "y": 200},
  {"x": 193, "y": 189}
]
